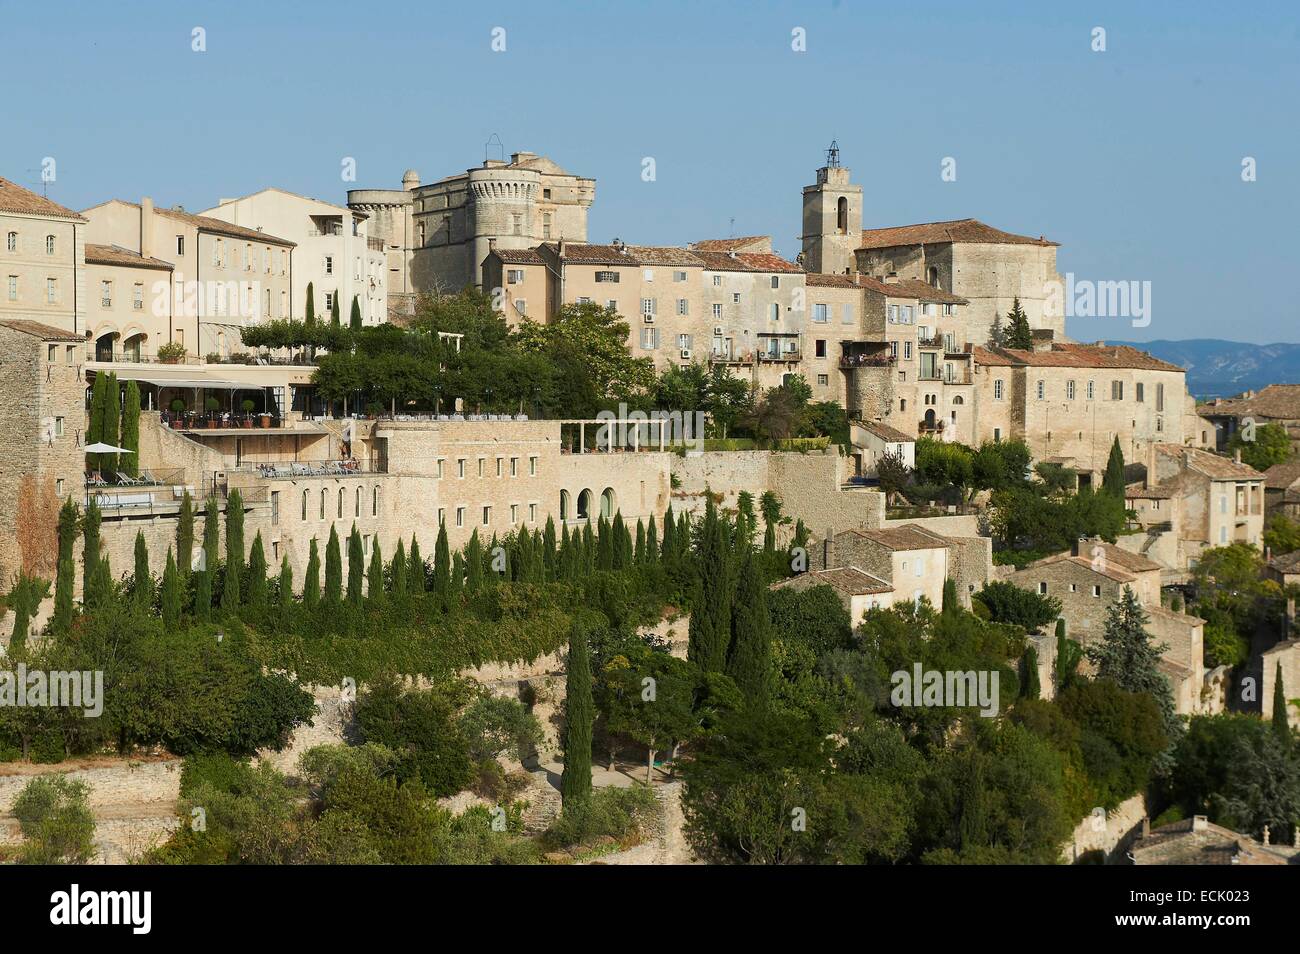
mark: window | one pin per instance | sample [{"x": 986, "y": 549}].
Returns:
[
  {"x": 58, "y": 487},
  {"x": 847, "y": 315},
  {"x": 648, "y": 274},
  {"x": 842, "y": 215},
  {"x": 532, "y": 513},
  {"x": 13, "y": 287},
  {"x": 501, "y": 462},
  {"x": 823, "y": 380},
  {"x": 11, "y": 243},
  {"x": 819, "y": 347},
  {"x": 482, "y": 462},
  {"x": 1139, "y": 393},
  {"x": 49, "y": 245},
  {"x": 515, "y": 275},
  {"x": 546, "y": 225},
  {"x": 460, "y": 516},
  {"x": 322, "y": 503},
  {"x": 442, "y": 516},
  {"x": 606, "y": 277},
  {"x": 137, "y": 297},
  {"x": 907, "y": 351},
  {"x": 460, "y": 467},
  {"x": 514, "y": 466},
  {"x": 717, "y": 281},
  {"x": 487, "y": 514},
  {"x": 1117, "y": 390},
  {"x": 546, "y": 193},
  {"x": 1160, "y": 397},
  {"x": 1092, "y": 390},
  {"x": 997, "y": 434},
  {"x": 521, "y": 305},
  {"x": 679, "y": 276},
  {"x": 329, "y": 264},
  {"x": 908, "y": 318},
  {"x": 1074, "y": 587},
  {"x": 374, "y": 502},
  {"x": 776, "y": 311},
  {"x": 1069, "y": 390},
  {"x": 329, "y": 301},
  {"x": 820, "y": 313},
  {"x": 649, "y": 307},
  {"x": 514, "y": 514},
  {"x": 439, "y": 471},
  {"x": 684, "y": 342},
  {"x": 776, "y": 281},
  {"x": 683, "y": 306},
  {"x": 717, "y": 312},
  {"x": 516, "y": 224},
  {"x": 58, "y": 427},
  {"x": 304, "y": 505},
  {"x": 532, "y": 467},
  {"x": 69, "y": 355},
  {"x": 1042, "y": 587},
  {"x": 1096, "y": 590},
  {"x": 51, "y": 290},
  {"x": 997, "y": 390},
  {"x": 340, "y": 501},
  {"x": 180, "y": 245},
  {"x": 649, "y": 339},
  {"x": 275, "y": 508},
  {"x": 735, "y": 298},
  {"x": 1042, "y": 390}
]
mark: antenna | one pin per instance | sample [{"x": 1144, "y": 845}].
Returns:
[
  {"x": 45, "y": 183},
  {"x": 833, "y": 155},
  {"x": 733, "y": 227},
  {"x": 494, "y": 143}
]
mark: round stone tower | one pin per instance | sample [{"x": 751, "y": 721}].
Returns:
[{"x": 501, "y": 206}]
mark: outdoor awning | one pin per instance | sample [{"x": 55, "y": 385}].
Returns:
[{"x": 149, "y": 376}]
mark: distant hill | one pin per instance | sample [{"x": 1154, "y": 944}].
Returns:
[{"x": 1217, "y": 368}]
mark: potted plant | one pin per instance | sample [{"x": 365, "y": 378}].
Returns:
[
  {"x": 265, "y": 419},
  {"x": 248, "y": 405},
  {"x": 212, "y": 405},
  {"x": 178, "y": 410},
  {"x": 171, "y": 353}
]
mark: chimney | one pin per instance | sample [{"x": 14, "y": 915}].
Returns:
[
  {"x": 828, "y": 550},
  {"x": 1200, "y": 823},
  {"x": 857, "y": 278},
  {"x": 891, "y": 278},
  {"x": 146, "y": 227},
  {"x": 1265, "y": 840},
  {"x": 560, "y": 247},
  {"x": 1237, "y": 455},
  {"x": 1146, "y": 826},
  {"x": 492, "y": 244}
]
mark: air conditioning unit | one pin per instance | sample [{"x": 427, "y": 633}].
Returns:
[
  {"x": 686, "y": 353},
  {"x": 717, "y": 330},
  {"x": 649, "y": 319}
]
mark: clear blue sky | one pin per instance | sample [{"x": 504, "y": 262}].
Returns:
[{"x": 1130, "y": 158}]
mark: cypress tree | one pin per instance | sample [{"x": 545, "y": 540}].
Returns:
[
  {"x": 310, "y": 317},
  {"x": 670, "y": 537},
  {"x": 90, "y": 543},
  {"x": 131, "y": 429},
  {"x": 951, "y": 602},
  {"x": 709, "y": 633},
  {"x": 604, "y": 546},
  {"x": 112, "y": 408},
  {"x": 746, "y": 520},
  {"x": 973, "y": 825},
  {"x": 334, "y": 310},
  {"x": 548, "y": 547},
  {"x": 285, "y": 583},
  {"x": 100, "y": 588},
  {"x": 1018, "y": 334},
  {"x": 356, "y": 567},
  {"x": 355, "y": 318},
  {"x": 415, "y": 581},
  {"x": 185, "y": 535},
  {"x": 95, "y": 434},
  {"x": 473, "y": 564},
  {"x": 375, "y": 576},
  {"x": 203, "y": 595},
  {"x": 622, "y": 543},
  {"x": 651, "y": 543},
  {"x": 1032, "y": 688},
  {"x": 257, "y": 574},
  {"x": 579, "y": 714},
  {"x": 333, "y": 570},
  {"x": 65, "y": 580},
  {"x": 442, "y": 566},
  {"x": 588, "y": 550},
  {"x": 211, "y": 537},
  {"x": 398, "y": 570},
  {"x": 1113, "y": 482},
  {"x": 170, "y": 596},
  {"x": 142, "y": 581},
  {"x": 1280, "y": 724},
  {"x": 683, "y": 539},
  {"x": 638, "y": 550},
  {"x": 235, "y": 531},
  {"x": 749, "y": 661},
  {"x": 22, "y": 614},
  {"x": 311, "y": 579},
  {"x": 770, "y": 505},
  {"x": 456, "y": 584}
]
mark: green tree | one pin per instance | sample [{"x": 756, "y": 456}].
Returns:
[
  {"x": 334, "y": 309},
  {"x": 579, "y": 715},
  {"x": 1008, "y": 603},
  {"x": 65, "y": 577},
  {"x": 415, "y": 581},
  {"x": 356, "y": 567},
  {"x": 375, "y": 576},
  {"x": 1031, "y": 686},
  {"x": 398, "y": 570},
  {"x": 1262, "y": 445},
  {"x": 185, "y": 535},
  {"x": 1018, "y": 334},
  {"x": 170, "y": 593},
  {"x": 131, "y": 429},
  {"x": 473, "y": 563},
  {"x": 57, "y": 826},
  {"x": 284, "y": 584},
  {"x": 310, "y": 310},
  {"x": 257, "y": 568},
  {"x": 142, "y": 580},
  {"x": 354, "y": 319},
  {"x": 1113, "y": 482},
  {"x": 1280, "y": 723},
  {"x": 749, "y": 662},
  {"x": 709, "y": 635},
  {"x": 442, "y": 566},
  {"x": 112, "y": 418},
  {"x": 90, "y": 537},
  {"x": 333, "y": 570},
  {"x": 311, "y": 579}
]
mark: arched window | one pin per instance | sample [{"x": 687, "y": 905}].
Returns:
[
  {"x": 304, "y": 505},
  {"x": 564, "y": 505},
  {"x": 584, "y": 505},
  {"x": 933, "y": 275},
  {"x": 958, "y": 399},
  {"x": 322, "y": 503},
  {"x": 49, "y": 245},
  {"x": 374, "y": 502},
  {"x": 842, "y": 216},
  {"x": 11, "y": 243},
  {"x": 358, "y": 503},
  {"x": 607, "y": 503},
  {"x": 340, "y": 501}
]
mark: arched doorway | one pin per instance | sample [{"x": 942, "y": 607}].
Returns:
[
  {"x": 564, "y": 505},
  {"x": 584, "y": 505},
  {"x": 134, "y": 346},
  {"x": 104, "y": 346},
  {"x": 607, "y": 507}
]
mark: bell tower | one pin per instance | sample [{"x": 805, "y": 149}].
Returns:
[{"x": 832, "y": 218}]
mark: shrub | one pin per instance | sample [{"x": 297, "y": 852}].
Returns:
[{"x": 57, "y": 826}]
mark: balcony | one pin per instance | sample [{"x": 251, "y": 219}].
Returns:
[
  {"x": 745, "y": 358},
  {"x": 220, "y": 420},
  {"x": 297, "y": 470},
  {"x": 778, "y": 357},
  {"x": 868, "y": 360}
]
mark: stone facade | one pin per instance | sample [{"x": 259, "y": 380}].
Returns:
[{"x": 42, "y": 260}]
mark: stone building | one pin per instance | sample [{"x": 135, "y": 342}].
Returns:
[
  {"x": 832, "y": 219},
  {"x": 439, "y": 234},
  {"x": 127, "y": 319},
  {"x": 1068, "y": 402},
  {"x": 913, "y": 559},
  {"x": 223, "y": 276},
  {"x": 44, "y": 421},
  {"x": 858, "y": 590},
  {"x": 1197, "y": 841},
  {"x": 42, "y": 260},
  {"x": 1276, "y": 404},
  {"x": 1282, "y": 489},
  {"x": 334, "y": 251}
]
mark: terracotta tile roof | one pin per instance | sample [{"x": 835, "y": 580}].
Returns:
[
  {"x": 747, "y": 262},
  {"x": 1133, "y": 562},
  {"x": 852, "y": 581},
  {"x": 744, "y": 243},
  {"x": 116, "y": 255},
  {"x": 884, "y": 431},
  {"x": 1071, "y": 355},
  {"x": 957, "y": 230},
  {"x": 584, "y": 253},
  {"x": 14, "y": 198},
  {"x": 519, "y": 256},
  {"x": 901, "y": 288},
  {"x": 1138, "y": 492},
  {"x": 1279, "y": 402},
  {"x": 1109, "y": 570},
  {"x": 39, "y": 330},
  {"x": 1196, "y": 841},
  {"x": 664, "y": 255},
  {"x": 215, "y": 226},
  {"x": 1186, "y": 618},
  {"x": 1207, "y": 464},
  {"x": 1283, "y": 475},
  {"x": 910, "y": 536}
]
